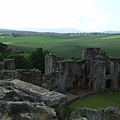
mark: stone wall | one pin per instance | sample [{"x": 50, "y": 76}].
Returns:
[
  {"x": 7, "y": 64},
  {"x": 50, "y": 63},
  {"x": 96, "y": 69},
  {"x": 110, "y": 113},
  {"x": 29, "y": 102},
  {"x": 33, "y": 76}
]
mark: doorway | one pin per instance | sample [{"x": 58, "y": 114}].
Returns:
[{"x": 108, "y": 84}]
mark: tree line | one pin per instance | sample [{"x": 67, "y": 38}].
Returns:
[{"x": 36, "y": 59}]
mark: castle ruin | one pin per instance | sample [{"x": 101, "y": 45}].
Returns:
[{"x": 95, "y": 69}]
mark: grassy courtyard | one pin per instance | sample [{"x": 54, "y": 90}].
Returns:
[{"x": 99, "y": 100}]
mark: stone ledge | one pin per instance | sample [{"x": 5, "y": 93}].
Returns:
[{"x": 16, "y": 90}]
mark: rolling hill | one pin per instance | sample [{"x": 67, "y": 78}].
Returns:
[{"x": 65, "y": 45}]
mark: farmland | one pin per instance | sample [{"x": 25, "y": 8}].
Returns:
[{"x": 66, "y": 46}]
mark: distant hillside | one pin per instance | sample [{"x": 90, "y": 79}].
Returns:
[
  {"x": 111, "y": 32},
  {"x": 17, "y": 32},
  {"x": 55, "y": 30},
  {"x": 37, "y": 31}
]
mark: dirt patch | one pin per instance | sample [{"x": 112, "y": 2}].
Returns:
[
  {"x": 14, "y": 50},
  {"x": 78, "y": 91}
]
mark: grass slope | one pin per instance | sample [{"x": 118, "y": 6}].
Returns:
[
  {"x": 66, "y": 46},
  {"x": 100, "y": 100}
]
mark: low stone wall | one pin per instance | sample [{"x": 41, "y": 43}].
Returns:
[
  {"x": 32, "y": 76},
  {"x": 110, "y": 113}
]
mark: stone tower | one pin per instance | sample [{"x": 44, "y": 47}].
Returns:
[
  {"x": 9, "y": 64},
  {"x": 50, "y": 63}
]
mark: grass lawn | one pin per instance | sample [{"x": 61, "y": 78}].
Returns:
[
  {"x": 99, "y": 100},
  {"x": 66, "y": 46}
]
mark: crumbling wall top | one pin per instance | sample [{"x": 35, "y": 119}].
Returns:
[{"x": 94, "y": 53}]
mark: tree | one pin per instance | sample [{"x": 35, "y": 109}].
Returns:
[
  {"x": 14, "y": 34},
  {"x": 4, "y": 48},
  {"x": 3, "y": 51},
  {"x": 21, "y": 62},
  {"x": 38, "y": 59}
]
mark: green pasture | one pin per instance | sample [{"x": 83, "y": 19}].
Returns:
[
  {"x": 100, "y": 100},
  {"x": 66, "y": 46}
]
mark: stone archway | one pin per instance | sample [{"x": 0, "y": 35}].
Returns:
[{"x": 108, "y": 84}]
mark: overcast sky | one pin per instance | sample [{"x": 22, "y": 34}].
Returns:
[{"x": 83, "y": 15}]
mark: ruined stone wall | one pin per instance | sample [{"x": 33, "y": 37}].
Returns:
[
  {"x": 105, "y": 75},
  {"x": 50, "y": 63},
  {"x": 73, "y": 72},
  {"x": 94, "y": 53},
  {"x": 78, "y": 73},
  {"x": 96, "y": 69},
  {"x": 110, "y": 113},
  {"x": 28, "y": 75},
  {"x": 7, "y": 64},
  {"x": 55, "y": 82},
  {"x": 116, "y": 62},
  {"x": 68, "y": 74},
  {"x": 7, "y": 74},
  {"x": 104, "y": 71},
  {"x": 48, "y": 82}
]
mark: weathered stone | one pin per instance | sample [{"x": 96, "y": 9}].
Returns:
[
  {"x": 26, "y": 111},
  {"x": 7, "y": 64},
  {"x": 28, "y": 75},
  {"x": 26, "y": 98},
  {"x": 94, "y": 114},
  {"x": 96, "y": 69}
]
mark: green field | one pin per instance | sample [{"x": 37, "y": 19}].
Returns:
[
  {"x": 100, "y": 100},
  {"x": 67, "y": 46}
]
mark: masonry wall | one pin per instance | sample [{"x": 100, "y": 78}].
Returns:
[
  {"x": 7, "y": 64},
  {"x": 96, "y": 69},
  {"x": 33, "y": 76},
  {"x": 110, "y": 113},
  {"x": 50, "y": 63},
  {"x": 73, "y": 72}
]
